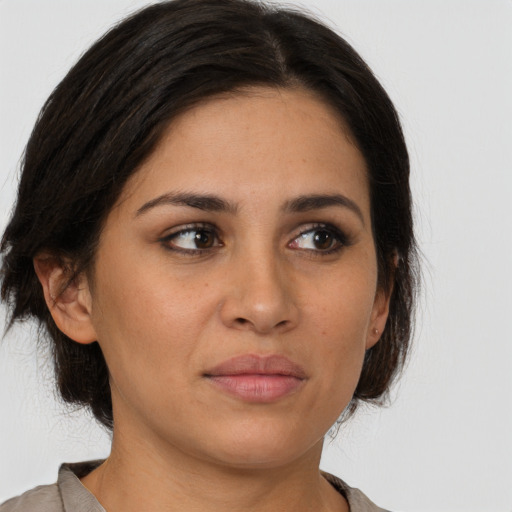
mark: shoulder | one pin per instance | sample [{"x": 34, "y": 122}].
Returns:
[
  {"x": 357, "y": 501},
  {"x": 67, "y": 495},
  {"x": 45, "y": 498}
]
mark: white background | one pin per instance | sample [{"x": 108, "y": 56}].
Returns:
[{"x": 446, "y": 442}]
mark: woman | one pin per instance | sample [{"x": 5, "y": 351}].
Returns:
[{"x": 229, "y": 266}]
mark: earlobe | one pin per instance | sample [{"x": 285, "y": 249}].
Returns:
[
  {"x": 69, "y": 301},
  {"x": 379, "y": 317}
]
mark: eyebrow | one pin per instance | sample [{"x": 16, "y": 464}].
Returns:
[
  {"x": 200, "y": 201},
  {"x": 307, "y": 203},
  {"x": 214, "y": 203}
]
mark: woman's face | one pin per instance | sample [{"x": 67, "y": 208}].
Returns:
[{"x": 235, "y": 283}]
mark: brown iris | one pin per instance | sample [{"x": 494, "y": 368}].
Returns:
[
  {"x": 204, "y": 239},
  {"x": 323, "y": 240}
]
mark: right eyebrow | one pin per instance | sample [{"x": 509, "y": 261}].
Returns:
[
  {"x": 308, "y": 203},
  {"x": 201, "y": 202}
]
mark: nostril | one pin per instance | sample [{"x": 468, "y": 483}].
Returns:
[{"x": 241, "y": 321}]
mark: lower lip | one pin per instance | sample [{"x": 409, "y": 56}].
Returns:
[{"x": 257, "y": 388}]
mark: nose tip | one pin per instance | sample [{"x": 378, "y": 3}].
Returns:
[{"x": 260, "y": 301}]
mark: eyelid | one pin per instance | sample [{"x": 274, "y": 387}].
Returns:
[
  {"x": 198, "y": 226},
  {"x": 340, "y": 235}
]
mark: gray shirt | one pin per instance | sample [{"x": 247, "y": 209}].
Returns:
[{"x": 69, "y": 495}]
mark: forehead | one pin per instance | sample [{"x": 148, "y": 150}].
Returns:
[{"x": 253, "y": 142}]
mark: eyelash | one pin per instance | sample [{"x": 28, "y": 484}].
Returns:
[
  {"x": 339, "y": 239},
  {"x": 198, "y": 228}
]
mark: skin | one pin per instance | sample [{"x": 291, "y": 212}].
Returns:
[{"x": 164, "y": 311}]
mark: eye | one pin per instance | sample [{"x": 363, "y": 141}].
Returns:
[
  {"x": 192, "y": 239},
  {"x": 321, "y": 239}
]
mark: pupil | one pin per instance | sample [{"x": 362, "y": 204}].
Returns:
[
  {"x": 203, "y": 240},
  {"x": 322, "y": 240}
]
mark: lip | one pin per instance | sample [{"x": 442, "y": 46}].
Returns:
[{"x": 260, "y": 379}]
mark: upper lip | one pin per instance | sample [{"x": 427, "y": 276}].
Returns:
[{"x": 252, "y": 364}]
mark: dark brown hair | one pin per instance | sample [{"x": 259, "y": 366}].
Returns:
[{"x": 109, "y": 112}]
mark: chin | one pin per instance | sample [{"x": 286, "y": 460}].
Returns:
[{"x": 266, "y": 448}]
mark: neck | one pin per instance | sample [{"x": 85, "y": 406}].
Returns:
[{"x": 144, "y": 475}]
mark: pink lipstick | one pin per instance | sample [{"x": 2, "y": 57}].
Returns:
[{"x": 254, "y": 378}]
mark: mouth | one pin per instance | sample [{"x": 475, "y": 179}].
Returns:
[{"x": 258, "y": 379}]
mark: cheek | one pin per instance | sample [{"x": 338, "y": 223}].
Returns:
[
  {"x": 343, "y": 307},
  {"x": 144, "y": 315},
  {"x": 339, "y": 319},
  {"x": 148, "y": 331}
]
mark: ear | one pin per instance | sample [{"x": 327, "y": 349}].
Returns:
[
  {"x": 380, "y": 310},
  {"x": 378, "y": 317},
  {"x": 69, "y": 302}
]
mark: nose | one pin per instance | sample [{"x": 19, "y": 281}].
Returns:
[{"x": 260, "y": 296}]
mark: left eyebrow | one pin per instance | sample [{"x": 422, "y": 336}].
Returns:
[
  {"x": 201, "y": 202},
  {"x": 318, "y": 201}
]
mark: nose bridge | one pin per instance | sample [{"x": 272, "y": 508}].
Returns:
[{"x": 260, "y": 296}]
